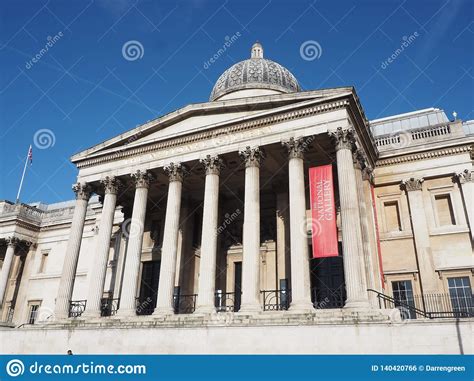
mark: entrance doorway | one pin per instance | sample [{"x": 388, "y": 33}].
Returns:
[
  {"x": 327, "y": 282},
  {"x": 148, "y": 287}
]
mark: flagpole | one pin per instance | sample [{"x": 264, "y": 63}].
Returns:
[{"x": 23, "y": 176}]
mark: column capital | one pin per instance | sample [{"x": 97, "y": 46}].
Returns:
[
  {"x": 252, "y": 156},
  {"x": 343, "y": 138},
  {"x": 297, "y": 146},
  {"x": 176, "y": 171},
  {"x": 142, "y": 178},
  {"x": 212, "y": 164},
  {"x": 412, "y": 184},
  {"x": 82, "y": 190},
  {"x": 465, "y": 176},
  {"x": 12, "y": 241},
  {"x": 111, "y": 184}
]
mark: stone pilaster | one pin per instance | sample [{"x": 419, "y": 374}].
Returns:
[
  {"x": 135, "y": 229},
  {"x": 98, "y": 271},
  {"x": 300, "y": 283},
  {"x": 251, "y": 230},
  {"x": 207, "y": 273},
  {"x": 7, "y": 264},
  {"x": 350, "y": 219},
  {"x": 164, "y": 303},
  {"x": 71, "y": 256},
  {"x": 414, "y": 190},
  {"x": 367, "y": 269},
  {"x": 466, "y": 182}
]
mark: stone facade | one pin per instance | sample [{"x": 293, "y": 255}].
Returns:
[{"x": 201, "y": 220}]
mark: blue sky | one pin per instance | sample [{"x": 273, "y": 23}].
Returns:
[{"x": 84, "y": 90}]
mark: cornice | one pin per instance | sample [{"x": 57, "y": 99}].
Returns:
[
  {"x": 425, "y": 155},
  {"x": 214, "y": 133}
]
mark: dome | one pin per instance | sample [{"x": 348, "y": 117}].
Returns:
[{"x": 255, "y": 73}]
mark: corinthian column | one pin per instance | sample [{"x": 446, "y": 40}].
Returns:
[
  {"x": 164, "y": 303},
  {"x": 71, "y": 257},
  {"x": 135, "y": 240},
  {"x": 466, "y": 180},
  {"x": 366, "y": 260},
  {"x": 414, "y": 189},
  {"x": 98, "y": 271},
  {"x": 300, "y": 283},
  {"x": 207, "y": 273},
  {"x": 7, "y": 264},
  {"x": 251, "y": 232},
  {"x": 350, "y": 220}
]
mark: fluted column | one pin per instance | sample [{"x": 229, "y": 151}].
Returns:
[
  {"x": 350, "y": 220},
  {"x": 135, "y": 240},
  {"x": 164, "y": 303},
  {"x": 251, "y": 230},
  {"x": 99, "y": 268},
  {"x": 207, "y": 267},
  {"x": 300, "y": 283},
  {"x": 7, "y": 264},
  {"x": 466, "y": 181},
  {"x": 428, "y": 276},
  {"x": 366, "y": 259},
  {"x": 71, "y": 257}
]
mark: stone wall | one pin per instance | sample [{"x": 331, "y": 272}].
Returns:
[{"x": 412, "y": 337}]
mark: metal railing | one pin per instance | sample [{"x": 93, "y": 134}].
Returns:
[
  {"x": 184, "y": 304},
  {"x": 109, "y": 306},
  {"x": 77, "y": 308},
  {"x": 325, "y": 298},
  {"x": 10, "y": 313},
  {"x": 144, "y": 306},
  {"x": 227, "y": 301},
  {"x": 276, "y": 300},
  {"x": 429, "y": 306}
]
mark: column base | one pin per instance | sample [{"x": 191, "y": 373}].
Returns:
[
  {"x": 358, "y": 304},
  {"x": 92, "y": 314},
  {"x": 125, "y": 313},
  {"x": 302, "y": 307},
  {"x": 161, "y": 311},
  {"x": 205, "y": 310},
  {"x": 250, "y": 308}
]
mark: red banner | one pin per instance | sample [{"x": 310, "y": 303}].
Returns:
[{"x": 323, "y": 212}]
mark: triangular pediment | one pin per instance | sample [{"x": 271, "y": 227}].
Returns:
[{"x": 195, "y": 118}]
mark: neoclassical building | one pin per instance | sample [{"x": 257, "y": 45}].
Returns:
[{"x": 202, "y": 220}]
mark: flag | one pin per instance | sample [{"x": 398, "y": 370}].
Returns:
[{"x": 30, "y": 155}]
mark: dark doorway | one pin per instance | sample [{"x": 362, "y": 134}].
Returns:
[
  {"x": 237, "y": 285},
  {"x": 327, "y": 282},
  {"x": 148, "y": 287}
]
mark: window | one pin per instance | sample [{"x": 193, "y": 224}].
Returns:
[
  {"x": 444, "y": 209},
  {"x": 33, "y": 313},
  {"x": 392, "y": 216},
  {"x": 404, "y": 300},
  {"x": 43, "y": 261},
  {"x": 461, "y": 296}
]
